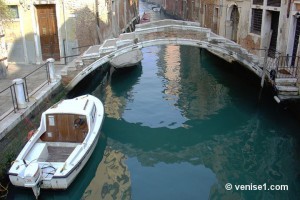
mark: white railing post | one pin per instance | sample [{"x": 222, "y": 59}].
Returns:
[
  {"x": 51, "y": 69},
  {"x": 20, "y": 92}
]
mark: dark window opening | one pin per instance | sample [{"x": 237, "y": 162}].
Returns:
[
  {"x": 256, "y": 21},
  {"x": 274, "y": 28},
  {"x": 14, "y": 11},
  {"x": 258, "y": 2},
  {"x": 275, "y": 3}
]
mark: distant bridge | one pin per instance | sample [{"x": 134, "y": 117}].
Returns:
[{"x": 162, "y": 32}]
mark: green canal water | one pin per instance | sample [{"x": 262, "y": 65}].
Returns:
[{"x": 182, "y": 125}]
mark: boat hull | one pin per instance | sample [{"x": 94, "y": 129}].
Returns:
[{"x": 58, "y": 182}]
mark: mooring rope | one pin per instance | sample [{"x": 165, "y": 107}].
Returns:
[{"x": 3, "y": 189}]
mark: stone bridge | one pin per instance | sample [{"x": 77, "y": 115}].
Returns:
[{"x": 158, "y": 33}]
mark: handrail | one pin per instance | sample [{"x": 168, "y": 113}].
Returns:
[
  {"x": 287, "y": 66},
  {"x": 26, "y": 90},
  {"x": 13, "y": 98}
]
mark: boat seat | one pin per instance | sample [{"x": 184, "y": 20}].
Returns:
[{"x": 39, "y": 152}]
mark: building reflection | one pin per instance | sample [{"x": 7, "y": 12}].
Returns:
[
  {"x": 114, "y": 105},
  {"x": 119, "y": 91},
  {"x": 112, "y": 179},
  {"x": 172, "y": 60},
  {"x": 198, "y": 94},
  {"x": 189, "y": 89}
]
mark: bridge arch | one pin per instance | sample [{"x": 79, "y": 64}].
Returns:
[{"x": 174, "y": 32}]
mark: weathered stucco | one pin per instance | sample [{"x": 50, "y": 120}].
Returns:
[
  {"x": 215, "y": 15},
  {"x": 77, "y": 23}
]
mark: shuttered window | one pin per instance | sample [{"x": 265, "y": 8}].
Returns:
[{"x": 256, "y": 21}]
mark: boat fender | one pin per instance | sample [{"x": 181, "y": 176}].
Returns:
[{"x": 30, "y": 134}]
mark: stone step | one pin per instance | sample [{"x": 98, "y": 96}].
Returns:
[
  {"x": 286, "y": 81},
  {"x": 78, "y": 63},
  {"x": 287, "y": 90}
]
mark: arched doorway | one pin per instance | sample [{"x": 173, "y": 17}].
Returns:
[{"x": 234, "y": 18}]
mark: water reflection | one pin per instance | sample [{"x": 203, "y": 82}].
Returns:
[
  {"x": 201, "y": 95},
  {"x": 146, "y": 102},
  {"x": 181, "y": 93},
  {"x": 119, "y": 91},
  {"x": 171, "y": 71},
  {"x": 112, "y": 179},
  {"x": 246, "y": 154},
  {"x": 179, "y": 180},
  {"x": 226, "y": 140}
]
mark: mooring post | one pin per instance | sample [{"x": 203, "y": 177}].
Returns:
[
  {"x": 51, "y": 69},
  {"x": 19, "y": 89}
]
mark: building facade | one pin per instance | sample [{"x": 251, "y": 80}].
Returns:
[
  {"x": 255, "y": 25},
  {"x": 41, "y": 29}
]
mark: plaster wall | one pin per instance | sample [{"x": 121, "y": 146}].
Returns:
[{"x": 77, "y": 23}]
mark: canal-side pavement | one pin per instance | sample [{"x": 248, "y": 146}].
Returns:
[{"x": 40, "y": 91}]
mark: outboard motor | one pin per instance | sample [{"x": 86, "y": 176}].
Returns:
[{"x": 32, "y": 176}]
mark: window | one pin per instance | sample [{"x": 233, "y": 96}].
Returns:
[
  {"x": 274, "y": 3},
  {"x": 256, "y": 21},
  {"x": 51, "y": 120},
  {"x": 14, "y": 11},
  {"x": 258, "y": 2},
  {"x": 93, "y": 113}
]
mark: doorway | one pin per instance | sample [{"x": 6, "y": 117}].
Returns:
[
  {"x": 234, "y": 18},
  {"x": 274, "y": 31},
  {"x": 46, "y": 15},
  {"x": 296, "y": 41}
]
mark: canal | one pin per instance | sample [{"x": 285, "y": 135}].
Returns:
[{"x": 182, "y": 125}]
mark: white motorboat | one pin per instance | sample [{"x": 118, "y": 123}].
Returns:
[
  {"x": 57, "y": 151},
  {"x": 129, "y": 59}
]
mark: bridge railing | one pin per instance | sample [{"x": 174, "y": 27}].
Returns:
[{"x": 287, "y": 66}]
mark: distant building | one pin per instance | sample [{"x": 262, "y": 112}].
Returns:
[
  {"x": 263, "y": 27},
  {"x": 58, "y": 28},
  {"x": 255, "y": 24}
]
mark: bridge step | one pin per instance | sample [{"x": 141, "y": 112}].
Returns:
[
  {"x": 285, "y": 81},
  {"x": 287, "y": 90}
]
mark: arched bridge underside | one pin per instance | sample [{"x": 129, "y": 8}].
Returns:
[{"x": 162, "y": 33}]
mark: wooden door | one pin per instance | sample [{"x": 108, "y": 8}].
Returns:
[{"x": 48, "y": 31}]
